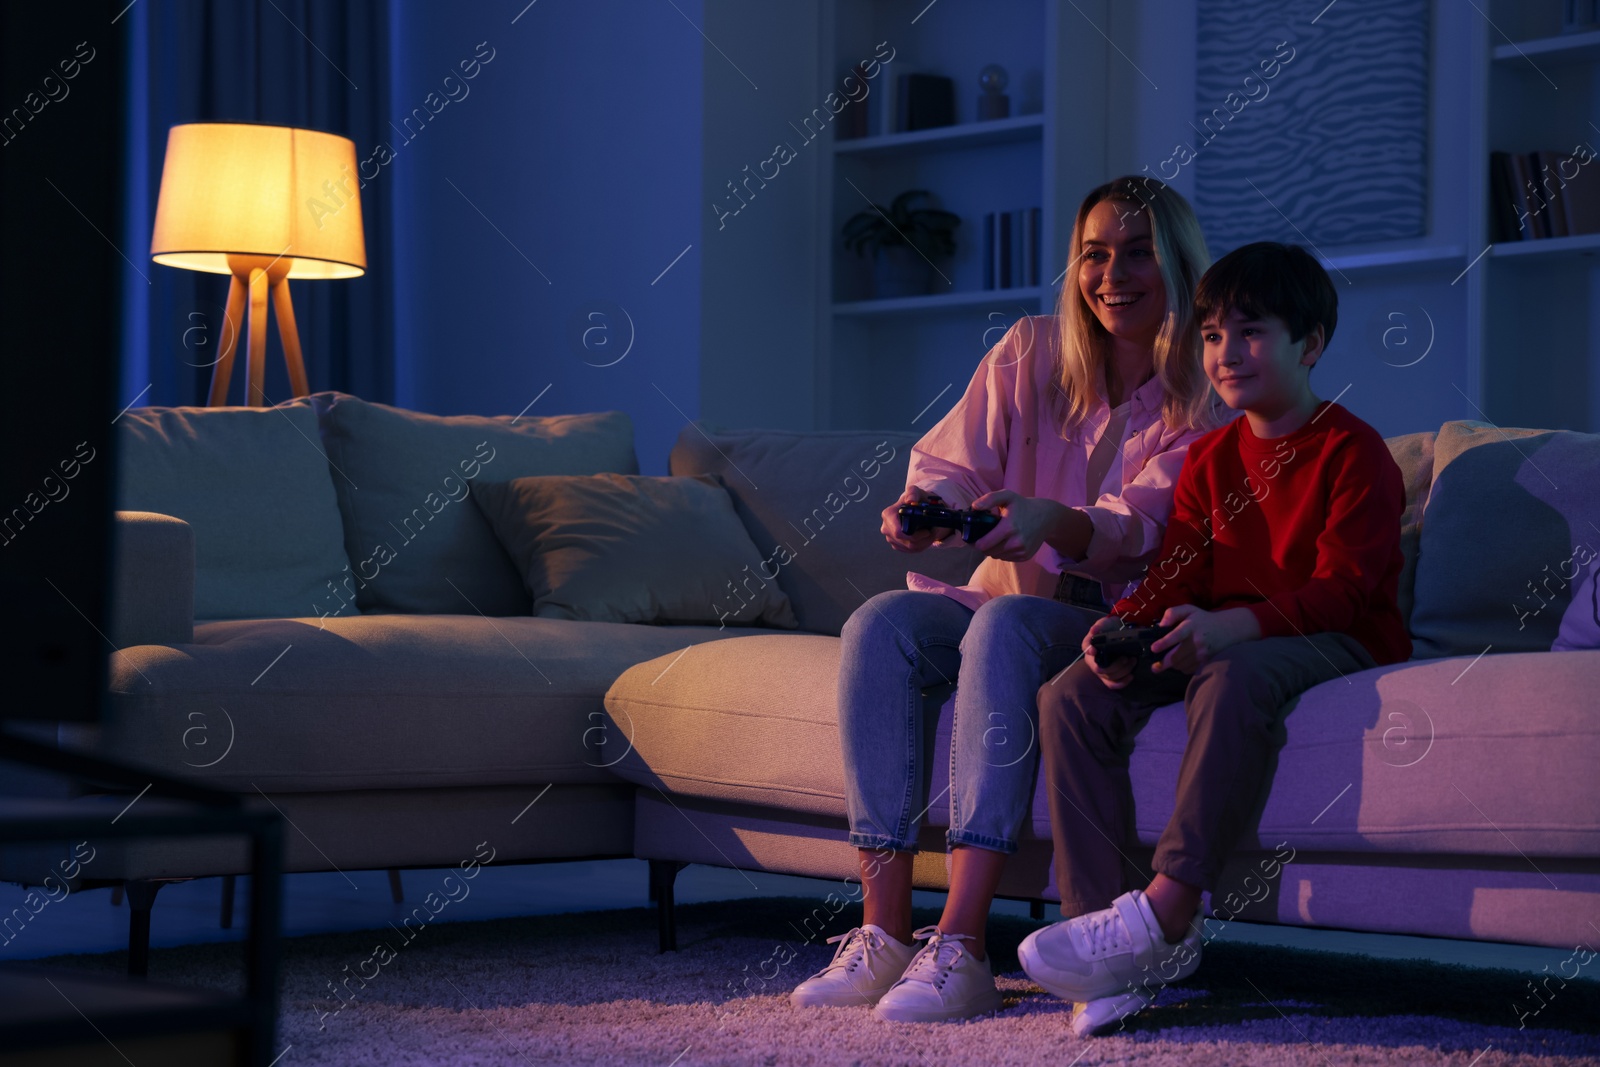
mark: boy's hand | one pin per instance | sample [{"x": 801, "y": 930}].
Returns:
[
  {"x": 1198, "y": 635},
  {"x": 1115, "y": 675}
]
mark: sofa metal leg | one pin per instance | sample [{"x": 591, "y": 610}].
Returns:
[
  {"x": 663, "y": 875},
  {"x": 1036, "y": 910},
  {"x": 229, "y": 883},
  {"x": 141, "y": 896}
]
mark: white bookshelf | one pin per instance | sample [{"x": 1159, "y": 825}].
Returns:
[
  {"x": 882, "y": 360},
  {"x": 1539, "y": 299}
]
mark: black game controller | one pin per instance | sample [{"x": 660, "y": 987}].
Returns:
[
  {"x": 1132, "y": 642},
  {"x": 971, "y": 524}
]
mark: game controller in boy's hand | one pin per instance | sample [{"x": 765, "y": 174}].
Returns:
[
  {"x": 972, "y": 525},
  {"x": 1131, "y": 642}
]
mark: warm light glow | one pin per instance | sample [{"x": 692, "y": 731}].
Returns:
[{"x": 259, "y": 190}]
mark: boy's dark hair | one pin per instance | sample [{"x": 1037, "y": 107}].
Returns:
[{"x": 1268, "y": 278}]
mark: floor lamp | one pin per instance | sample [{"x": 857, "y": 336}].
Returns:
[{"x": 262, "y": 204}]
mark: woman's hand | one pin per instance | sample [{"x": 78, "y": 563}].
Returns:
[
  {"x": 1116, "y": 674},
  {"x": 1025, "y": 523},
  {"x": 920, "y": 540},
  {"x": 1198, "y": 635}
]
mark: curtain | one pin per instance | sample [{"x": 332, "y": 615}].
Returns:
[{"x": 317, "y": 65}]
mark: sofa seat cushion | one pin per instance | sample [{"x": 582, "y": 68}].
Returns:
[
  {"x": 1493, "y": 757},
  {"x": 757, "y": 724},
  {"x": 1395, "y": 759},
  {"x": 380, "y": 701}
]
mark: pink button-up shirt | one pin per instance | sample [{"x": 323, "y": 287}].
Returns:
[{"x": 1002, "y": 434}]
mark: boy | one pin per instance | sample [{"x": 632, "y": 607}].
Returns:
[{"x": 1278, "y": 571}]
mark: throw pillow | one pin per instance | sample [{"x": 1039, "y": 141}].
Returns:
[
  {"x": 811, "y": 503},
  {"x": 1413, "y": 454},
  {"x": 253, "y": 485},
  {"x": 625, "y": 548},
  {"x": 1580, "y": 626},
  {"x": 402, "y": 479},
  {"x": 1511, "y": 513}
]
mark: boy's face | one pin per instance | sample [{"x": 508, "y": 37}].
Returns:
[{"x": 1254, "y": 366}]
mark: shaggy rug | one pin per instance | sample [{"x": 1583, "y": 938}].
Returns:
[{"x": 590, "y": 988}]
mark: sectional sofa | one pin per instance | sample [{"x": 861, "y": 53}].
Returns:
[{"x": 316, "y": 608}]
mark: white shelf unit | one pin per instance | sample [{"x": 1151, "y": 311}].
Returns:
[
  {"x": 940, "y": 301},
  {"x": 1539, "y": 299},
  {"x": 1564, "y": 48},
  {"x": 1583, "y": 245},
  {"x": 961, "y": 135},
  {"x": 883, "y": 361}
]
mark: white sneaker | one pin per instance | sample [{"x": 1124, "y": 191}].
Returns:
[
  {"x": 1118, "y": 950},
  {"x": 945, "y": 981},
  {"x": 867, "y": 962}
]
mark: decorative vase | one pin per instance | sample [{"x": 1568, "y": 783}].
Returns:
[{"x": 900, "y": 270}]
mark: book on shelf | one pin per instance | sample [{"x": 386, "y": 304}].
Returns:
[
  {"x": 1579, "y": 15},
  {"x": 1547, "y": 180},
  {"x": 1502, "y": 201},
  {"x": 988, "y": 251},
  {"x": 1535, "y": 195},
  {"x": 925, "y": 101},
  {"x": 1530, "y": 227},
  {"x": 855, "y": 120},
  {"x": 1580, "y": 193},
  {"x": 884, "y": 105},
  {"x": 1011, "y": 248}
]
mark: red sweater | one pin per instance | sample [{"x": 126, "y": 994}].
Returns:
[{"x": 1304, "y": 530}]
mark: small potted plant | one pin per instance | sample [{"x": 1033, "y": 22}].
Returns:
[{"x": 905, "y": 243}]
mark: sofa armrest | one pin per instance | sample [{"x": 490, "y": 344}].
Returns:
[{"x": 152, "y": 601}]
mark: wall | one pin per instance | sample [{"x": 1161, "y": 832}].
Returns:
[
  {"x": 1388, "y": 318},
  {"x": 542, "y": 213},
  {"x": 759, "y": 271}
]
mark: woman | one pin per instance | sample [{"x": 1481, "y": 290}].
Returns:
[{"x": 1073, "y": 430}]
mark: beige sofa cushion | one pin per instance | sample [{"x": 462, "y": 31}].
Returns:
[
  {"x": 253, "y": 485},
  {"x": 415, "y": 543},
  {"x": 629, "y": 548},
  {"x": 379, "y": 701},
  {"x": 811, "y": 502},
  {"x": 756, "y": 724},
  {"x": 1396, "y": 759}
]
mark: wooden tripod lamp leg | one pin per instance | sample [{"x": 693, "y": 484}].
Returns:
[
  {"x": 290, "y": 336},
  {"x": 255, "y": 395},
  {"x": 222, "y": 371}
]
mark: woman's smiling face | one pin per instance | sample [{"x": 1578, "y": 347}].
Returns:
[{"x": 1119, "y": 276}]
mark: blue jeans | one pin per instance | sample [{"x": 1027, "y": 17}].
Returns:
[{"x": 899, "y": 643}]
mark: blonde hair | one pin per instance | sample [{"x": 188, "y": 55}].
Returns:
[{"x": 1084, "y": 345}]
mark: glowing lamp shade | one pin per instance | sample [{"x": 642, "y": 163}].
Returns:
[
  {"x": 263, "y": 204},
  {"x": 234, "y": 188}
]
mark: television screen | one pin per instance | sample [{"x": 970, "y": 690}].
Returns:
[{"x": 61, "y": 145}]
